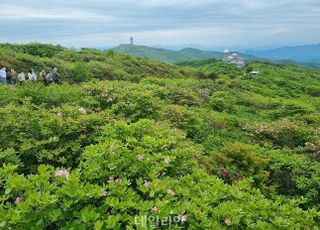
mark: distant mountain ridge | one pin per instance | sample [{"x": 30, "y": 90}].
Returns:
[
  {"x": 302, "y": 54},
  {"x": 308, "y": 55},
  {"x": 166, "y": 55}
]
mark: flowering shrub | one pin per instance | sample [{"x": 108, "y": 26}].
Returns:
[
  {"x": 283, "y": 133},
  {"x": 161, "y": 153},
  {"x": 237, "y": 161},
  {"x": 136, "y": 170},
  {"x": 54, "y": 136},
  {"x": 44, "y": 200}
]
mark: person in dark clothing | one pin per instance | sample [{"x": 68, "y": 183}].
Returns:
[
  {"x": 55, "y": 76},
  {"x": 45, "y": 78},
  {"x": 13, "y": 75},
  {"x": 8, "y": 76}
]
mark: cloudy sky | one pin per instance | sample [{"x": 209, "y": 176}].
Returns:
[{"x": 209, "y": 23}]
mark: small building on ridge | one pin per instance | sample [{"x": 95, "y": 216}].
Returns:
[{"x": 234, "y": 58}]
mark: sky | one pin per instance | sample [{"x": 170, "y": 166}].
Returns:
[{"x": 205, "y": 23}]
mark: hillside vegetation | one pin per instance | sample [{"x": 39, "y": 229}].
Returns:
[
  {"x": 129, "y": 143},
  {"x": 165, "y": 55},
  {"x": 87, "y": 64},
  {"x": 304, "y": 55}
]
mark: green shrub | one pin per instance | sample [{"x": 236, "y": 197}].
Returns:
[
  {"x": 56, "y": 136},
  {"x": 184, "y": 119},
  {"x": 313, "y": 91},
  {"x": 249, "y": 69},
  {"x": 222, "y": 101},
  {"x": 136, "y": 106},
  {"x": 295, "y": 176},
  {"x": 238, "y": 160},
  {"x": 179, "y": 96},
  {"x": 80, "y": 72},
  {"x": 283, "y": 133},
  {"x": 141, "y": 169},
  {"x": 35, "y": 49}
]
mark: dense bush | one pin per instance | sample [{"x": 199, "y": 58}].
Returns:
[
  {"x": 296, "y": 176},
  {"x": 55, "y": 136},
  {"x": 222, "y": 101},
  {"x": 238, "y": 160},
  {"x": 87, "y": 64},
  {"x": 80, "y": 72},
  {"x": 137, "y": 170},
  {"x": 35, "y": 49},
  {"x": 283, "y": 133}
]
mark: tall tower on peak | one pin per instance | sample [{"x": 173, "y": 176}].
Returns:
[{"x": 131, "y": 41}]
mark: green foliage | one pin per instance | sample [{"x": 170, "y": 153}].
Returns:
[
  {"x": 136, "y": 106},
  {"x": 35, "y": 49},
  {"x": 213, "y": 68},
  {"x": 239, "y": 160},
  {"x": 54, "y": 136},
  {"x": 283, "y": 133},
  {"x": 295, "y": 176},
  {"x": 249, "y": 69},
  {"x": 87, "y": 64},
  {"x": 80, "y": 72},
  {"x": 135, "y": 141},
  {"x": 222, "y": 101}
]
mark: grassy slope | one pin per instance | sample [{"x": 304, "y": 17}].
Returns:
[
  {"x": 165, "y": 55},
  {"x": 239, "y": 143},
  {"x": 102, "y": 65}
]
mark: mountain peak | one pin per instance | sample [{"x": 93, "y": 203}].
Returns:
[{"x": 166, "y": 55}]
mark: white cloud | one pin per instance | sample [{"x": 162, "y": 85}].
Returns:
[
  {"x": 211, "y": 22},
  {"x": 12, "y": 12}
]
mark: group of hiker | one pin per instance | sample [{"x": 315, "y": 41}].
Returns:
[{"x": 13, "y": 77}]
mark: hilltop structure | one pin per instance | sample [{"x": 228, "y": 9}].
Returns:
[
  {"x": 131, "y": 41},
  {"x": 234, "y": 58},
  {"x": 254, "y": 73}
]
